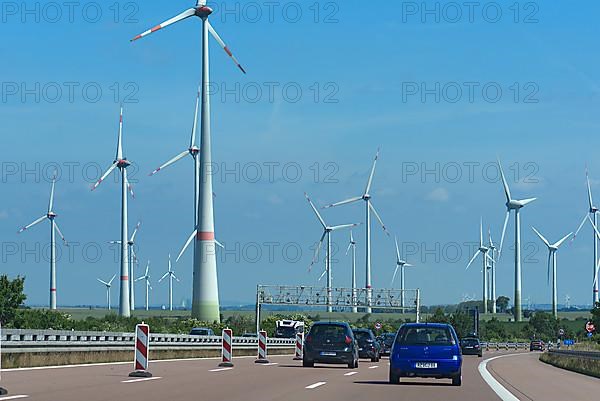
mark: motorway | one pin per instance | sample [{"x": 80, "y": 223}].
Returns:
[{"x": 285, "y": 379}]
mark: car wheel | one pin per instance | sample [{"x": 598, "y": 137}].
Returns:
[
  {"x": 394, "y": 378},
  {"x": 308, "y": 364},
  {"x": 457, "y": 380},
  {"x": 480, "y": 355},
  {"x": 352, "y": 364},
  {"x": 374, "y": 359},
  {"x": 356, "y": 364}
]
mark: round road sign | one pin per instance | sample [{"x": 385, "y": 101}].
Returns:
[
  {"x": 589, "y": 327},
  {"x": 378, "y": 326}
]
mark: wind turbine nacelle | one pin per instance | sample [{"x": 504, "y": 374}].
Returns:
[
  {"x": 51, "y": 215},
  {"x": 203, "y": 11},
  {"x": 123, "y": 163},
  {"x": 514, "y": 204}
]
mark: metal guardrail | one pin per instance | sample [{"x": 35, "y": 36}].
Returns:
[
  {"x": 18, "y": 340},
  {"x": 578, "y": 354},
  {"x": 504, "y": 346}
]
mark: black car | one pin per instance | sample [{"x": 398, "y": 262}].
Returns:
[
  {"x": 471, "y": 346},
  {"x": 330, "y": 342},
  {"x": 387, "y": 341},
  {"x": 368, "y": 346}
]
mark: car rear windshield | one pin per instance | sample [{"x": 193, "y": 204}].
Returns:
[
  {"x": 389, "y": 339},
  {"x": 286, "y": 331},
  {"x": 362, "y": 336},
  {"x": 470, "y": 341},
  {"x": 200, "y": 332},
  {"x": 425, "y": 336},
  {"x": 331, "y": 332}
]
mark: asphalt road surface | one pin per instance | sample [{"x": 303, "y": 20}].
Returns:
[{"x": 284, "y": 379}]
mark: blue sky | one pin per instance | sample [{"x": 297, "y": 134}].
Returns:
[{"x": 361, "y": 69}]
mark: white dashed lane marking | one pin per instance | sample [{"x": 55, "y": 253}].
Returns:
[{"x": 313, "y": 386}]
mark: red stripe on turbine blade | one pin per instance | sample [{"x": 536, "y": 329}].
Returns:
[
  {"x": 228, "y": 51},
  {"x": 136, "y": 38},
  {"x": 156, "y": 28},
  {"x": 205, "y": 236}
]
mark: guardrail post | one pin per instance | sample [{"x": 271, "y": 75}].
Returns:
[
  {"x": 142, "y": 343},
  {"x": 226, "y": 348},
  {"x": 299, "y": 347},
  {"x": 2, "y": 389},
  {"x": 262, "y": 347}
]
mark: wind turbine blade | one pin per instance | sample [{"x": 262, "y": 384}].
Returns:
[
  {"x": 549, "y": 263},
  {"x": 525, "y": 202},
  {"x": 315, "y": 210},
  {"x": 322, "y": 274},
  {"x": 186, "y": 14},
  {"x": 163, "y": 277},
  {"x": 504, "y": 183},
  {"x": 119, "y": 155},
  {"x": 103, "y": 282},
  {"x": 139, "y": 279},
  {"x": 344, "y": 202},
  {"x": 111, "y": 280},
  {"x": 589, "y": 188},
  {"x": 397, "y": 250},
  {"x": 368, "y": 188},
  {"x": 378, "y": 218},
  {"x": 580, "y": 227},
  {"x": 129, "y": 187},
  {"x": 544, "y": 240},
  {"x": 175, "y": 277},
  {"x": 135, "y": 230},
  {"x": 33, "y": 224},
  {"x": 114, "y": 242},
  {"x": 503, "y": 232},
  {"x": 559, "y": 243},
  {"x": 224, "y": 46},
  {"x": 219, "y": 244},
  {"x": 172, "y": 161},
  {"x": 60, "y": 233},
  {"x": 195, "y": 125},
  {"x": 348, "y": 249},
  {"x": 110, "y": 170},
  {"x": 408, "y": 265},
  {"x": 185, "y": 246},
  {"x": 316, "y": 255},
  {"x": 596, "y": 275},
  {"x": 51, "y": 202},
  {"x": 472, "y": 259},
  {"x": 335, "y": 228},
  {"x": 394, "y": 276},
  {"x": 147, "y": 268},
  {"x": 595, "y": 228}
]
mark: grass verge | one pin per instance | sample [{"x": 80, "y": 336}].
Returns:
[{"x": 587, "y": 367}]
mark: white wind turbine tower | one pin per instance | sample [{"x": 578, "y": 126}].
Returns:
[
  {"x": 327, "y": 230},
  {"x": 172, "y": 276},
  {"x": 122, "y": 163},
  {"x": 492, "y": 249},
  {"x": 400, "y": 265},
  {"x": 50, "y": 215},
  {"x": 146, "y": 278},
  {"x": 205, "y": 297},
  {"x": 108, "y": 284},
  {"x": 516, "y": 205},
  {"x": 133, "y": 260},
  {"x": 483, "y": 250},
  {"x": 593, "y": 211},
  {"x": 366, "y": 197},
  {"x": 552, "y": 249},
  {"x": 595, "y": 284},
  {"x": 352, "y": 246}
]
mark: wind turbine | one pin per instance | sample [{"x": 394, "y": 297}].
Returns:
[
  {"x": 146, "y": 277},
  {"x": 593, "y": 211},
  {"x": 205, "y": 297},
  {"x": 352, "y": 245},
  {"x": 108, "y": 285},
  {"x": 366, "y": 197},
  {"x": 595, "y": 284},
  {"x": 133, "y": 260},
  {"x": 122, "y": 163},
  {"x": 172, "y": 276},
  {"x": 327, "y": 230},
  {"x": 516, "y": 205},
  {"x": 50, "y": 215},
  {"x": 552, "y": 248},
  {"x": 483, "y": 250},
  {"x": 400, "y": 265},
  {"x": 492, "y": 249}
]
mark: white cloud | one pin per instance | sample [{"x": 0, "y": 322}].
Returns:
[{"x": 438, "y": 195}]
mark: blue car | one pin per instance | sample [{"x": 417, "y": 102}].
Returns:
[{"x": 426, "y": 350}]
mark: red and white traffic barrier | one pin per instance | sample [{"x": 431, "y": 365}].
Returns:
[
  {"x": 142, "y": 345},
  {"x": 226, "y": 349},
  {"x": 299, "y": 347},
  {"x": 2, "y": 389},
  {"x": 262, "y": 347}
]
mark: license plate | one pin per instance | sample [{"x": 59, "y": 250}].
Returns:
[
  {"x": 426, "y": 365},
  {"x": 325, "y": 353},
  {"x": 360, "y": 349}
]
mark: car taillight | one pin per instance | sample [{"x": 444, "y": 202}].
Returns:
[{"x": 348, "y": 340}]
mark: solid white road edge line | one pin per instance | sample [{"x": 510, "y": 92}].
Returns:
[
  {"x": 13, "y": 397},
  {"x": 498, "y": 388},
  {"x": 145, "y": 379},
  {"x": 312, "y": 386}
]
